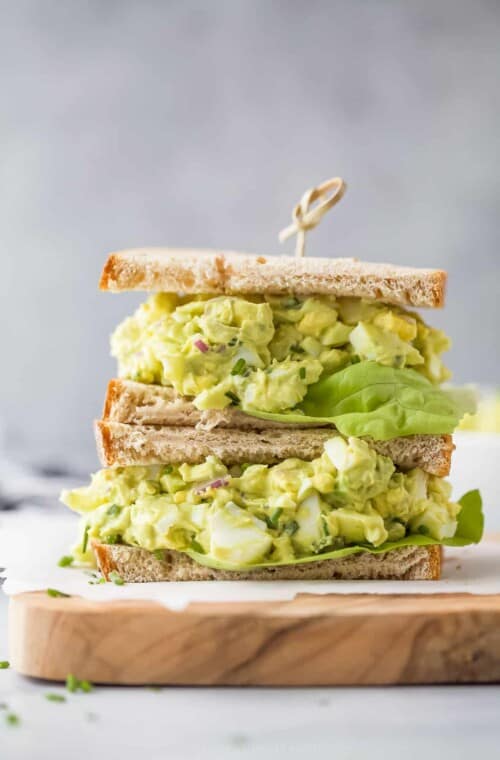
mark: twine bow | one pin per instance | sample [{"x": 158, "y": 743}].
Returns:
[{"x": 305, "y": 217}]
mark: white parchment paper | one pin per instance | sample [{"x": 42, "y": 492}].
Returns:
[{"x": 31, "y": 544}]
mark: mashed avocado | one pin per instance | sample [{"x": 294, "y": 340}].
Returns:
[
  {"x": 245, "y": 515},
  {"x": 262, "y": 354}
]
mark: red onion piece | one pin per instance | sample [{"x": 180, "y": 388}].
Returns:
[
  {"x": 213, "y": 484},
  {"x": 201, "y": 346}
]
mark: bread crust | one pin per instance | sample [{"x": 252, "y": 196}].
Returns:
[
  {"x": 141, "y": 405},
  {"x": 223, "y": 272},
  {"x": 136, "y": 565}
]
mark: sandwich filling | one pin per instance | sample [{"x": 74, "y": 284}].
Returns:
[
  {"x": 245, "y": 516},
  {"x": 263, "y": 354}
]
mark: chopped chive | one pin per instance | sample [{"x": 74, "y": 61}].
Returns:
[
  {"x": 113, "y": 510},
  {"x": 97, "y": 581},
  {"x": 4, "y": 664},
  {"x": 159, "y": 554},
  {"x": 116, "y": 578},
  {"x": 71, "y": 682},
  {"x": 85, "y": 539},
  {"x": 55, "y": 593},
  {"x": 239, "y": 367},
  {"x": 12, "y": 719},
  {"x": 291, "y": 527},
  {"x": 74, "y": 684},
  {"x": 276, "y": 516},
  {"x": 302, "y": 373},
  {"x": 292, "y": 303},
  {"x": 196, "y": 547},
  {"x": 167, "y": 470},
  {"x": 423, "y": 530},
  {"x": 233, "y": 341},
  {"x": 113, "y": 538},
  {"x": 66, "y": 561},
  {"x": 51, "y": 697},
  {"x": 272, "y": 520},
  {"x": 233, "y": 397}
]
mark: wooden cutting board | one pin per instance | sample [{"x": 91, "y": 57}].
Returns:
[{"x": 311, "y": 640}]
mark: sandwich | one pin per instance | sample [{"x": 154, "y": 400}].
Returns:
[{"x": 274, "y": 418}]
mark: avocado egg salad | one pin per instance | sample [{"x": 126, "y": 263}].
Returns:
[
  {"x": 274, "y": 418},
  {"x": 276, "y": 357},
  {"x": 348, "y": 500}
]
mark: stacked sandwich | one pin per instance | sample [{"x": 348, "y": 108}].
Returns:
[{"x": 274, "y": 418}]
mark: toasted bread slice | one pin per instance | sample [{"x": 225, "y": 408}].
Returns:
[
  {"x": 119, "y": 444},
  {"x": 220, "y": 272},
  {"x": 136, "y": 565}
]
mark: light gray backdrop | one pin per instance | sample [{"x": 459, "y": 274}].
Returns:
[{"x": 200, "y": 124}]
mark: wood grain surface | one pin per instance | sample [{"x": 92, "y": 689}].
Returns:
[{"x": 311, "y": 640}]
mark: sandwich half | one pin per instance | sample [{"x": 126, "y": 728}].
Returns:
[
  {"x": 274, "y": 418},
  {"x": 341, "y": 510}
]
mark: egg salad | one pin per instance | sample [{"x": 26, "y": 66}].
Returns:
[
  {"x": 247, "y": 515},
  {"x": 262, "y": 354}
]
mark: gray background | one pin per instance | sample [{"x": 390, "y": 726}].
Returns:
[{"x": 200, "y": 124}]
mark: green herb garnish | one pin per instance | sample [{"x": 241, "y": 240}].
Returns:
[
  {"x": 159, "y": 554},
  {"x": 66, "y": 561},
  {"x": 74, "y": 684},
  {"x": 423, "y": 530},
  {"x": 116, "y": 578},
  {"x": 113, "y": 538},
  {"x": 4, "y": 664},
  {"x": 196, "y": 547},
  {"x": 272, "y": 520},
  {"x": 12, "y": 719},
  {"x": 291, "y": 527},
  {"x": 233, "y": 397},
  {"x": 55, "y": 593},
  {"x": 113, "y": 510},
  {"x": 233, "y": 341},
  {"x": 85, "y": 539},
  {"x": 302, "y": 373},
  {"x": 71, "y": 682},
  {"x": 292, "y": 303},
  {"x": 167, "y": 470},
  {"x": 239, "y": 367},
  {"x": 97, "y": 581},
  {"x": 51, "y": 697}
]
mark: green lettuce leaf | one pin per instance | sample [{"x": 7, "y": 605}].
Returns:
[
  {"x": 368, "y": 399},
  {"x": 469, "y": 531}
]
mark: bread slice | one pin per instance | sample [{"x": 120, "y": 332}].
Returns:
[
  {"x": 146, "y": 404},
  {"x": 203, "y": 271},
  {"x": 136, "y": 565},
  {"x": 119, "y": 444}
]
